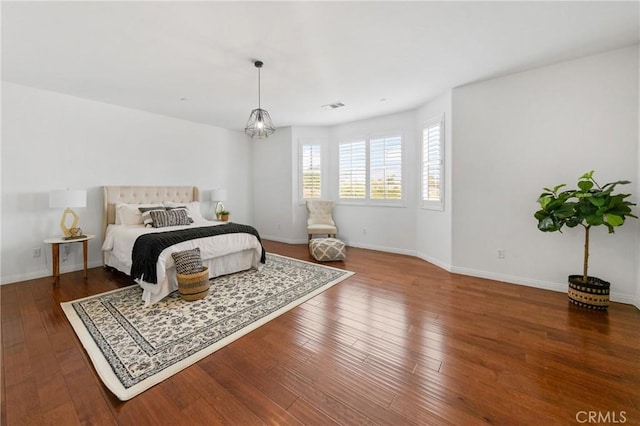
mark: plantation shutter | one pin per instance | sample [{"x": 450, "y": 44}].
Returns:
[
  {"x": 385, "y": 164},
  {"x": 353, "y": 169},
  {"x": 432, "y": 164},
  {"x": 311, "y": 172}
]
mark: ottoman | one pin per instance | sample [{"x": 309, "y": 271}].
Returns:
[{"x": 327, "y": 249}]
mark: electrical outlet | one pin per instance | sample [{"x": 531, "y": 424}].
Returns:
[
  {"x": 35, "y": 252},
  {"x": 500, "y": 254}
]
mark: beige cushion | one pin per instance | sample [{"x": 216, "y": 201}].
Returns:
[
  {"x": 327, "y": 249},
  {"x": 322, "y": 229}
]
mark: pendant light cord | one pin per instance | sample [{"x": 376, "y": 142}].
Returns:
[{"x": 259, "y": 88}]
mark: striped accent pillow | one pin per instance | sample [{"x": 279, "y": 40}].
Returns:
[
  {"x": 164, "y": 218},
  {"x": 183, "y": 208},
  {"x": 188, "y": 261},
  {"x": 146, "y": 215}
]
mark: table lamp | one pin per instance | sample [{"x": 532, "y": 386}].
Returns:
[{"x": 66, "y": 199}]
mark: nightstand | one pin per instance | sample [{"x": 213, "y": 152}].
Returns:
[{"x": 55, "y": 252}]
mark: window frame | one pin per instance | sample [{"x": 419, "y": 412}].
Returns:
[
  {"x": 367, "y": 200},
  {"x": 426, "y": 203},
  {"x": 354, "y": 200},
  {"x": 386, "y": 167},
  {"x": 301, "y": 145}
]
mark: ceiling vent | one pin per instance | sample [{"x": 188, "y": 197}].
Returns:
[{"x": 332, "y": 106}]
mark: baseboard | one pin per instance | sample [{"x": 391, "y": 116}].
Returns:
[
  {"x": 283, "y": 240},
  {"x": 381, "y": 248},
  {"x": 511, "y": 279},
  {"x": 447, "y": 267},
  {"x": 42, "y": 273},
  {"x": 624, "y": 298},
  {"x": 545, "y": 285}
]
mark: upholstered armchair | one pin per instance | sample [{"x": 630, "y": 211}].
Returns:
[{"x": 319, "y": 219}]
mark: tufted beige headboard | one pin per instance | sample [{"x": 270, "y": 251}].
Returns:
[{"x": 142, "y": 195}]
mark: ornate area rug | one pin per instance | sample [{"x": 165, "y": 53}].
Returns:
[{"x": 134, "y": 348}]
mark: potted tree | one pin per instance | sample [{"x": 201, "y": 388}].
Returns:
[{"x": 589, "y": 205}]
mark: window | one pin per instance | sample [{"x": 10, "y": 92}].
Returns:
[
  {"x": 371, "y": 169},
  {"x": 353, "y": 170},
  {"x": 432, "y": 165},
  {"x": 311, "y": 171},
  {"x": 385, "y": 165}
]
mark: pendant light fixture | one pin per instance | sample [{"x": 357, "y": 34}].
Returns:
[{"x": 259, "y": 125}]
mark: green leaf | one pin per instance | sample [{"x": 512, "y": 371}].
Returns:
[
  {"x": 587, "y": 175},
  {"x": 597, "y": 201},
  {"x": 564, "y": 211},
  {"x": 548, "y": 225},
  {"x": 585, "y": 185},
  {"x": 595, "y": 220},
  {"x": 613, "y": 184},
  {"x": 573, "y": 222},
  {"x": 586, "y": 209},
  {"x": 544, "y": 201},
  {"x": 614, "y": 220},
  {"x": 540, "y": 214}
]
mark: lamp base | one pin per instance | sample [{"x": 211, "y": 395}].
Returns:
[
  {"x": 67, "y": 231},
  {"x": 218, "y": 209}
]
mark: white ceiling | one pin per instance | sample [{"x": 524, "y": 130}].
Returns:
[{"x": 152, "y": 55}]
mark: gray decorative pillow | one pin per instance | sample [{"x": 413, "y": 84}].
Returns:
[
  {"x": 164, "y": 218},
  {"x": 188, "y": 261},
  {"x": 183, "y": 208},
  {"x": 146, "y": 215}
]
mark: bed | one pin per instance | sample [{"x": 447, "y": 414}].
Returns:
[{"x": 222, "y": 254}]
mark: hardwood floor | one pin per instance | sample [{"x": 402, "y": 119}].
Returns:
[{"x": 401, "y": 342}]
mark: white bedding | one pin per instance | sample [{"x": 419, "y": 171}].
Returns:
[{"x": 224, "y": 254}]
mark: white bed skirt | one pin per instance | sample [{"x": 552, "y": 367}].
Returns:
[{"x": 222, "y": 265}]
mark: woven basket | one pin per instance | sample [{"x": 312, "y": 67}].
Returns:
[
  {"x": 194, "y": 286},
  {"x": 593, "y": 295}
]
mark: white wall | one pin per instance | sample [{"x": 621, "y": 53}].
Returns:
[
  {"x": 272, "y": 188},
  {"x": 434, "y": 227},
  {"x": 517, "y": 134},
  {"x": 54, "y": 141}
]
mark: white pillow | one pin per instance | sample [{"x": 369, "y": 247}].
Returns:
[
  {"x": 128, "y": 214},
  {"x": 193, "y": 207}
]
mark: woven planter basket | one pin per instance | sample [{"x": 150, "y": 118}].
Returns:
[
  {"x": 194, "y": 286},
  {"x": 592, "y": 295}
]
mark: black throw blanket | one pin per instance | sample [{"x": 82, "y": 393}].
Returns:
[{"x": 148, "y": 247}]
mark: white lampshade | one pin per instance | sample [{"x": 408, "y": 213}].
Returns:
[
  {"x": 67, "y": 198},
  {"x": 219, "y": 195}
]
